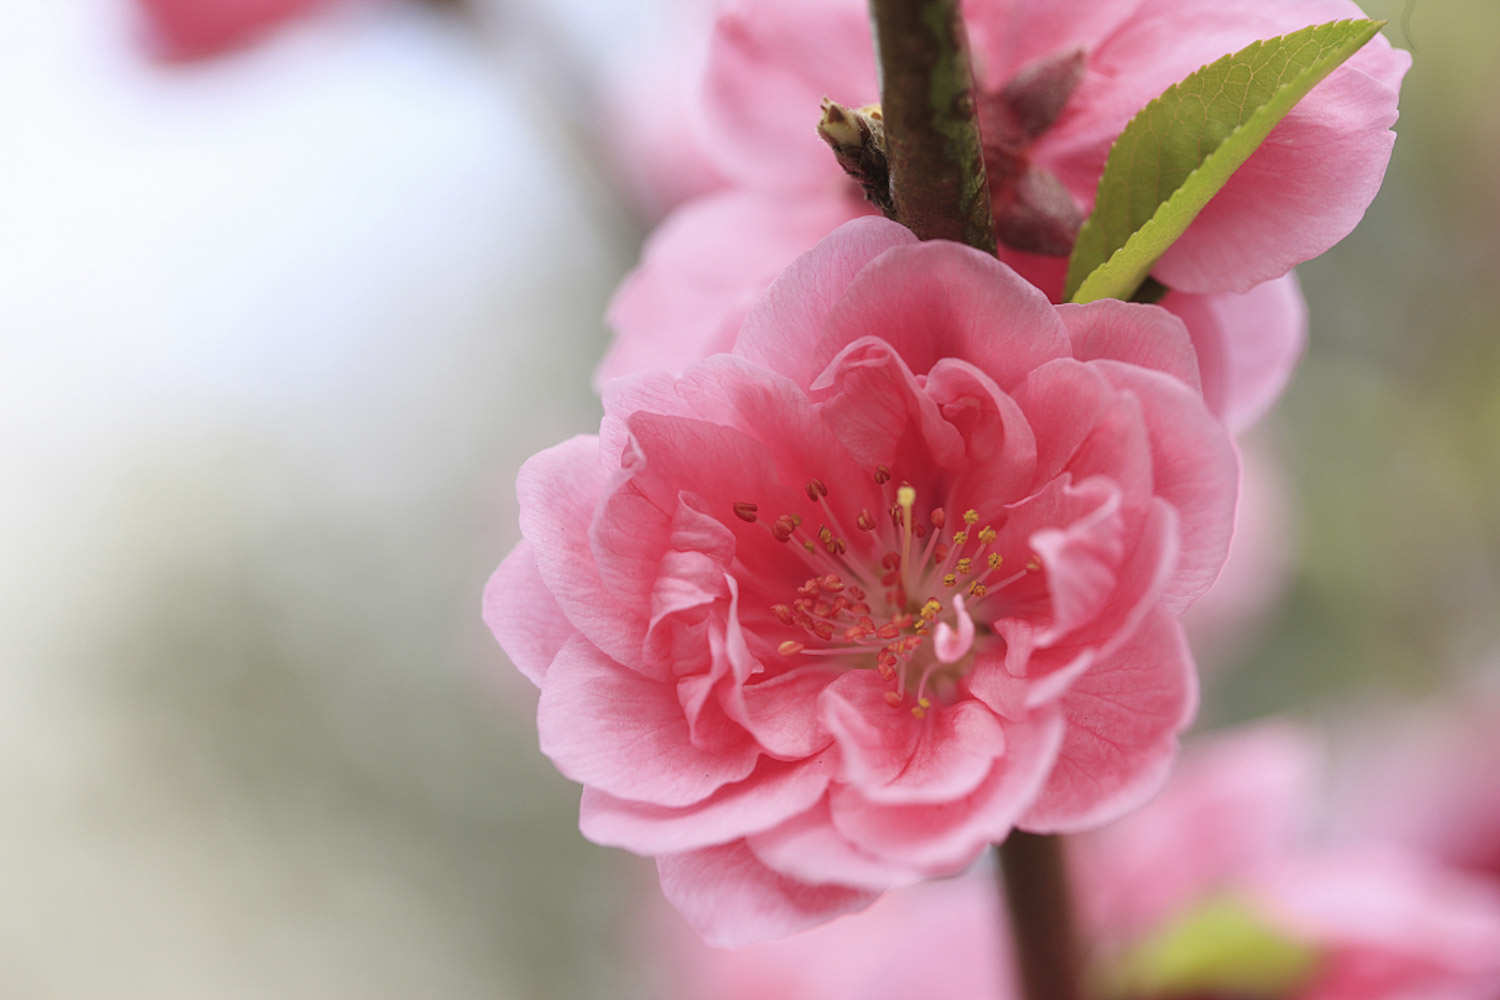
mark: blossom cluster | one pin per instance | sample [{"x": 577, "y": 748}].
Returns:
[{"x": 880, "y": 552}]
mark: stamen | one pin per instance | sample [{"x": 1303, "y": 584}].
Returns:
[
  {"x": 746, "y": 511},
  {"x": 905, "y": 498},
  {"x": 790, "y": 648}
]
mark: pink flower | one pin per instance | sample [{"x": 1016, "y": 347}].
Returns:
[
  {"x": 1230, "y": 826},
  {"x": 189, "y": 29},
  {"x": 1058, "y": 83},
  {"x": 833, "y": 612}
]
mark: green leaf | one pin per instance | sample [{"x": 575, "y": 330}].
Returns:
[
  {"x": 1183, "y": 147},
  {"x": 1221, "y": 947}
]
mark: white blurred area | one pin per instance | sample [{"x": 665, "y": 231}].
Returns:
[{"x": 277, "y": 330}]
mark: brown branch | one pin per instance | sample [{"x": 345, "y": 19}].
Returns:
[
  {"x": 938, "y": 185},
  {"x": 1035, "y": 880}
]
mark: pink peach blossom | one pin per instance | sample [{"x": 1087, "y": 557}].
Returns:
[
  {"x": 1230, "y": 825},
  {"x": 832, "y": 612},
  {"x": 1058, "y": 83}
]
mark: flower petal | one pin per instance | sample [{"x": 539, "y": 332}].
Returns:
[
  {"x": 798, "y": 305},
  {"x": 522, "y": 613},
  {"x": 560, "y": 492},
  {"x": 1247, "y": 345},
  {"x": 773, "y": 792},
  {"x": 940, "y": 838},
  {"x": 808, "y": 847},
  {"x": 1123, "y": 716},
  {"x": 1194, "y": 468},
  {"x": 609, "y": 727},
  {"x": 1148, "y": 336},
  {"x": 733, "y": 900}
]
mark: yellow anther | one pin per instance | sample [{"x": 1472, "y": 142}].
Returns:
[
  {"x": 950, "y": 580},
  {"x": 918, "y": 711},
  {"x": 971, "y": 516},
  {"x": 960, "y": 537},
  {"x": 986, "y": 534},
  {"x": 995, "y": 559},
  {"x": 977, "y": 589},
  {"x": 923, "y": 702},
  {"x": 965, "y": 565}
]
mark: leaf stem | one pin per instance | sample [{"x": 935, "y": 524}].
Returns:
[
  {"x": 938, "y": 184},
  {"x": 1034, "y": 878}
]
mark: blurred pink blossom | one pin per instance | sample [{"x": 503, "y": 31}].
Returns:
[
  {"x": 1431, "y": 782},
  {"x": 1230, "y": 825},
  {"x": 655, "y": 132},
  {"x": 834, "y": 612},
  {"x": 1261, "y": 558},
  {"x": 190, "y": 29},
  {"x": 1057, "y": 83}
]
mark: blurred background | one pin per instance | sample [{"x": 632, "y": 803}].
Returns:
[{"x": 284, "y": 304}]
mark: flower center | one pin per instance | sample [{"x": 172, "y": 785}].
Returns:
[{"x": 906, "y": 597}]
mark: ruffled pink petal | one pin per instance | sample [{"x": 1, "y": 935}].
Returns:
[
  {"x": 608, "y": 727},
  {"x": 1195, "y": 469},
  {"x": 782, "y": 712},
  {"x": 940, "y": 838},
  {"x": 732, "y": 899},
  {"x": 1028, "y": 677},
  {"x": 997, "y": 437},
  {"x": 807, "y": 847},
  {"x": 519, "y": 609},
  {"x": 1247, "y": 345},
  {"x": 875, "y": 740},
  {"x": 774, "y": 791},
  {"x": 1140, "y": 580},
  {"x": 1063, "y": 400},
  {"x": 701, "y": 271},
  {"x": 770, "y": 64},
  {"x": 1123, "y": 717},
  {"x": 799, "y": 304},
  {"x": 955, "y": 753},
  {"x": 1143, "y": 335},
  {"x": 1081, "y": 559},
  {"x": 560, "y": 491},
  {"x": 937, "y": 300},
  {"x": 880, "y": 412}
]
